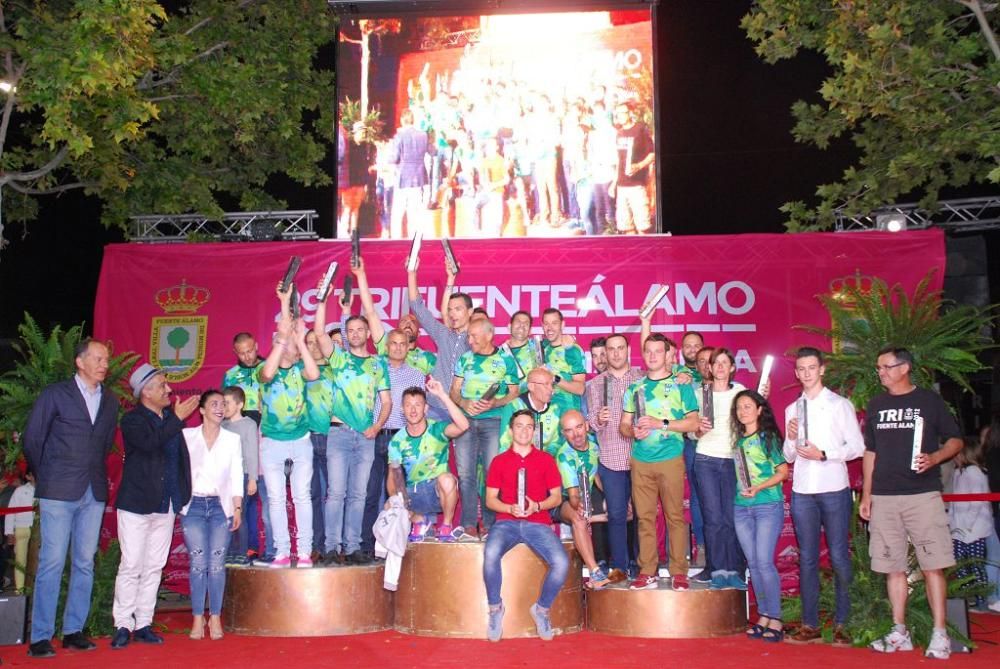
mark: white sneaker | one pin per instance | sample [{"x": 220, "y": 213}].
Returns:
[
  {"x": 940, "y": 646},
  {"x": 893, "y": 641},
  {"x": 995, "y": 606}
]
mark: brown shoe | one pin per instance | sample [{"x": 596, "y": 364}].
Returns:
[
  {"x": 616, "y": 576},
  {"x": 841, "y": 639},
  {"x": 805, "y": 634}
]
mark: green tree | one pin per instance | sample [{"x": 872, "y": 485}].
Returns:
[
  {"x": 178, "y": 339},
  {"x": 161, "y": 112},
  {"x": 914, "y": 84}
]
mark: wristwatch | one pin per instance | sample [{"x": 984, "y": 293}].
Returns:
[
  {"x": 822, "y": 456},
  {"x": 557, "y": 379},
  {"x": 666, "y": 422}
]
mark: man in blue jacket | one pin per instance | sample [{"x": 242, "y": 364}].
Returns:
[
  {"x": 156, "y": 485},
  {"x": 67, "y": 439}
]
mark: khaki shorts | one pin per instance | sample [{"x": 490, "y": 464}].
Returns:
[{"x": 901, "y": 519}]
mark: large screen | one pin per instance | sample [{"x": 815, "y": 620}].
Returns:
[{"x": 507, "y": 125}]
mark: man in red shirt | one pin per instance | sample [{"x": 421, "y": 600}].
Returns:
[{"x": 528, "y": 524}]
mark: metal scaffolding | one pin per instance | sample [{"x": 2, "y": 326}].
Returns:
[
  {"x": 248, "y": 226},
  {"x": 968, "y": 215}
]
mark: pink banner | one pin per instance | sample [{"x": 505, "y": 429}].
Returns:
[{"x": 180, "y": 305}]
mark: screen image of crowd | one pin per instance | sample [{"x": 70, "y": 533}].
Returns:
[{"x": 510, "y": 133}]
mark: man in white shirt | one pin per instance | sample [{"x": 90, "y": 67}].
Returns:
[{"x": 821, "y": 491}]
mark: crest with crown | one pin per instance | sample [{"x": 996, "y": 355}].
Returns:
[
  {"x": 182, "y": 299},
  {"x": 843, "y": 289}
]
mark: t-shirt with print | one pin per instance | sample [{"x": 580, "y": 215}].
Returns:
[
  {"x": 565, "y": 361},
  {"x": 479, "y": 372},
  {"x": 889, "y": 423},
  {"x": 356, "y": 382},
  {"x": 762, "y": 463},
  {"x": 664, "y": 398},
  {"x": 633, "y": 145},
  {"x": 319, "y": 401},
  {"x": 684, "y": 369},
  {"x": 547, "y": 430},
  {"x": 570, "y": 461},
  {"x": 283, "y": 404},
  {"x": 541, "y": 476},
  {"x": 417, "y": 358},
  {"x": 246, "y": 379},
  {"x": 423, "y": 457},
  {"x": 526, "y": 360}
]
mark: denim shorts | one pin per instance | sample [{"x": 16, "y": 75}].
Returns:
[{"x": 423, "y": 497}]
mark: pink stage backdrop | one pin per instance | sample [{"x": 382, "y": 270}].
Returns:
[{"x": 180, "y": 305}]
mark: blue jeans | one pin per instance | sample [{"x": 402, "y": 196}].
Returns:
[
  {"x": 240, "y": 539},
  {"x": 758, "y": 528},
  {"x": 273, "y": 454},
  {"x": 376, "y": 493},
  {"x": 716, "y": 482},
  {"x": 617, "y": 493},
  {"x": 479, "y": 443},
  {"x": 993, "y": 565},
  {"x": 62, "y": 521},
  {"x": 265, "y": 516},
  {"x": 541, "y": 539},
  {"x": 830, "y": 511},
  {"x": 697, "y": 524},
  {"x": 349, "y": 462},
  {"x": 206, "y": 535},
  {"x": 318, "y": 490}
]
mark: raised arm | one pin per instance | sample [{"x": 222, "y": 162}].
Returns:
[
  {"x": 283, "y": 339},
  {"x": 319, "y": 326},
  {"x": 449, "y": 286},
  {"x": 310, "y": 370},
  {"x": 375, "y": 326},
  {"x": 459, "y": 422}
]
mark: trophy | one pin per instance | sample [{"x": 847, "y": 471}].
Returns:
[
  {"x": 802, "y": 418},
  {"x": 348, "y": 288},
  {"x": 918, "y": 441},
  {"x": 356, "y": 248},
  {"x": 294, "y": 302},
  {"x": 539, "y": 351},
  {"x": 765, "y": 372},
  {"x": 742, "y": 469},
  {"x": 539, "y": 432},
  {"x": 293, "y": 267},
  {"x": 647, "y": 309},
  {"x": 522, "y": 482},
  {"x": 324, "y": 285},
  {"x": 491, "y": 392},
  {"x": 400, "y": 483},
  {"x": 449, "y": 256},
  {"x": 708, "y": 403},
  {"x": 640, "y": 405},
  {"x": 584, "y": 482},
  {"x": 607, "y": 391},
  {"x": 411, "y": 259}
]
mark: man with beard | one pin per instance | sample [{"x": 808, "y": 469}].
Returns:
[{"x": 564, "y": 360}]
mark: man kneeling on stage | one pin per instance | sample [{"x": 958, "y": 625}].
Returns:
[
  {"x": 576, "y": 456},
  {"x": 522, "y": 486},
  {"x": 421, "y": 450}
]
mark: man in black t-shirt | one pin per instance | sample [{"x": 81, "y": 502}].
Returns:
[
  {"x": 635, "y": 155},
  {"x": 904, "y": 431}
]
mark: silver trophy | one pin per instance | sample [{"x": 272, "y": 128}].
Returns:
[
  {"x": 765, "y": 372},
  {"x": 522, "y": 482},
  {"x": 640, "y": 405},
  {"x": 802, "y": 419},
  {"x": 647, "y": 309},
  {"x": 607, "y": 391},
  {"x": 708, "y": 403},
  {"x": 356, "y": 248},
  {"x": 324, "y": 286},
  {"x": 539, "y": 433},
  {"x": 411, "y": 259},
  {"x": 918, "y": 442},
  {"x": 584, "y": 481},
  {"x": 742, "y": 469},
  {"x": 491, "y": 392},
  {"x": 293, "y": 267},
  {"x": 449, "y": 256},
  {"x": 539, "y": 351}
]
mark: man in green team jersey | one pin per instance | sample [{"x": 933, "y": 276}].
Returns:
[
  {"x": 564, "y": 360},
  {"x": 538, "y": 399},
  {"x": 420, "y": 450}
]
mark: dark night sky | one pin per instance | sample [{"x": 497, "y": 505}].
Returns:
[{"x": 728, "y": 161}]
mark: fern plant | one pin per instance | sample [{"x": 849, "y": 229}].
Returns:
[
  {"x": 47, "y": 359},
  {"x": 945, "y": 338}
]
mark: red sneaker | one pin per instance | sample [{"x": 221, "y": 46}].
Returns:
[
  {"x": 644, "y": 582},
  {"x": 679, "y": 582}
]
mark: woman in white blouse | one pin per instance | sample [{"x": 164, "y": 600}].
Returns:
[{"x": 213, "y": 512}]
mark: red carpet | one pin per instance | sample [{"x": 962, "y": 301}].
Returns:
[{"x": 391, "y": 650}]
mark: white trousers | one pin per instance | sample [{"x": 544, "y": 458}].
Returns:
[{"x": 145, "y": 543}]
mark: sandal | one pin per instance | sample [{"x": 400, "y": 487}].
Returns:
[
  {"x": 771, "y": 635},
  {"x": 756, "y": 630}
]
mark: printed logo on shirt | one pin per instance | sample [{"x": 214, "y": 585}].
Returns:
[{"x": 896, "y": 419}]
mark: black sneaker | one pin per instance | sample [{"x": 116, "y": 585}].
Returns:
[
  {"x": 121, "y": 638},
  {"x": 357, "y": 557},
  {"x": 147, "y": 635},
  {"x": 332, "y": 558},
  {"x": 78, "y": 641},
  {"x": 41, "y": 649}
]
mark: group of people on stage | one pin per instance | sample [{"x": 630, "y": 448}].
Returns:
[
  {"x": 582, "y": 164},
  {"x": 345, "y": 417}
]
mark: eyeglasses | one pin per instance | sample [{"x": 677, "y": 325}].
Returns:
[{"x": 886, "y": 368}]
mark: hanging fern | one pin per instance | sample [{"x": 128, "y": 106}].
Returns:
[
  {"x": 945, "y": 338},
  {"x": 47, "y": 359}
]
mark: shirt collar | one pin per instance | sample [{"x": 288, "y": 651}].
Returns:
[{"x": 84, "y": 388}]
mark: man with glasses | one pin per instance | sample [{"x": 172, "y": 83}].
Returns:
[{"x": 901, "y": 498}]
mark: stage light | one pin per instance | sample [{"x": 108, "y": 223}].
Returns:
[{"x": 891, "y": 222}]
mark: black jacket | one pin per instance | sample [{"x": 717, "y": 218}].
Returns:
[
  {"x": 63, "y": 448},
  {"x": 146, "y": 436}
]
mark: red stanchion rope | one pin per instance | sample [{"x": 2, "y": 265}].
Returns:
[
  {"x": 15, "y": 509},
  {"x": 973, "y": 497}
]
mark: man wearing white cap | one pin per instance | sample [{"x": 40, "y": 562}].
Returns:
[{"x": 156, "y": 483}]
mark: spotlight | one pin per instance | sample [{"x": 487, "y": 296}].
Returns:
[{"x": 891, "y": 222}]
